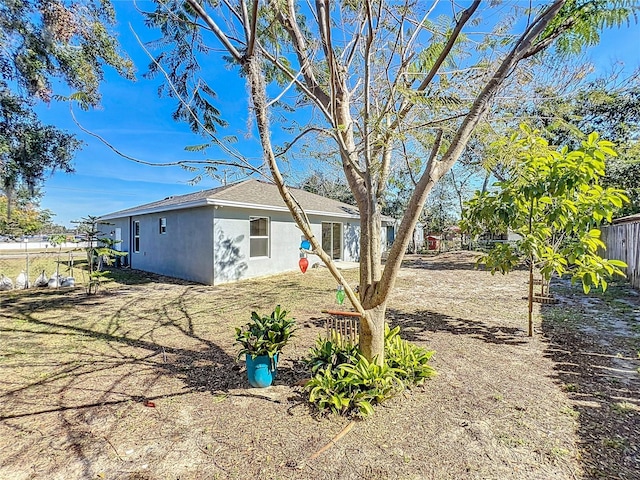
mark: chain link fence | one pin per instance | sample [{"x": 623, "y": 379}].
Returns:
[{"x": 22, "y": 264}]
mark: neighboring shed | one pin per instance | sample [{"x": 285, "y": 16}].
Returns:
[
  {"x": 623, "y": 243},
  {"x": 242, "y": 230}
]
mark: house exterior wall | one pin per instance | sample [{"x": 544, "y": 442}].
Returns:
[
  {"x": 211, "y": 245},
  {"x": 109, "y": 228},
  {"x": 232, "y": 260},
  {"x": 184, "y": 251}
]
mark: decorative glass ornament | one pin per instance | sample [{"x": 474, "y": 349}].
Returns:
[
  {"x": 303, "y": 264},
  {"x": 340, "y": 295}
]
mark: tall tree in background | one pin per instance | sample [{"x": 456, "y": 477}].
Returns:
[
  {"x": 27, "y": 219},
  {"x": 609, "y": 105},
  {"x": 43, "y": 42},
  {"x": 373, "y": 76},
  {"x": 327, "y": 186},
  {"x": 28, "y": 149},
  {"x": 70, "y": 41}
]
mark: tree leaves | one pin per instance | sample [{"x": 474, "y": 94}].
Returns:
[{"x": 555, "y": 203}]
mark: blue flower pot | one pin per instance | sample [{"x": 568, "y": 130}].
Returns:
[{"x": 261, "y": 370}]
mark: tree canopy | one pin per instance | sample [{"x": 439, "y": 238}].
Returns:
[
  {"x": 29, "y": 149},
  {"x": 611, "y": 106},
  {"x": 374, "y": 79},
  {"x": 49, "y": 49},
  {"x": 47, "y": 40}
]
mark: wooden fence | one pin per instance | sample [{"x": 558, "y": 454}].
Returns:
[{"x": 623, "y": 243}]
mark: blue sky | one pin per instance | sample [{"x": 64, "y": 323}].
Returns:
[{"x": 135, "y": 120}]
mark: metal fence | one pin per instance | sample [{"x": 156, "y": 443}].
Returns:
[{"x": 27, "y": 265}]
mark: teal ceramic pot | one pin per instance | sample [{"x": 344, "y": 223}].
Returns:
[{"x": 261, "y": 370}]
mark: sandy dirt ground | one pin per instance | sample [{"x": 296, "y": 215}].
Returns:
[{"x": 141, "y": 383}]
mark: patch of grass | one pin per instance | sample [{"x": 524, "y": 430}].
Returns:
[
  {"x": 570, "y": 387},
  {"x": 569, "y": 411},
  {"x": 511, "y": 441},
  {"x": 624, "y": 407},
  {"x": 560, "y": 316},
  {"x": 615, "y": 443},
  {"x": 558, "y": 452}
]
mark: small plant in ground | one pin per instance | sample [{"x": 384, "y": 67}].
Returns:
[
  {"x": 615, "y": 443},
  {"x": 100, "y": 251},
  {"x": 559, "y": 452},
  {"x": 346, "y": 383},
  {"x": 411, "y": 361},
  {"x": 570, "y": 387},
  {"x": 348, "y": 389},
  {"x": 330, "y": 354},
  {"x": 624, "y": 407},
  {"x": 570, "y": 412}
]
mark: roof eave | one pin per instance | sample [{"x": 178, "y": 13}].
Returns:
[{"x": 219, "y": 203}]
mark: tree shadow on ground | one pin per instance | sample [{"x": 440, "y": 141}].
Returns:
[
  {"x": 604, "y": 386},
  {"x": 416, "y": 326},
  {"x": 205, "y": 368},
  {"x": 118, "y": 367}
]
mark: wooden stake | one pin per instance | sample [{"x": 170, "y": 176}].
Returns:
[{"x": 333, "y": 441}]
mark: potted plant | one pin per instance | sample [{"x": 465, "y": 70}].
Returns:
[{"x": 261, "y": 340}]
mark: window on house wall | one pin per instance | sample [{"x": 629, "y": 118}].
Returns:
[
  {"x": 163, "y": 225},
  {"x": 136, "y": 236},
  {"x": 258, "y": 236},
  {"x": 332, "y": 239}
]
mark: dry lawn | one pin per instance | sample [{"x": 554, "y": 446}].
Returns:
[{"x": 141, "y": 382}]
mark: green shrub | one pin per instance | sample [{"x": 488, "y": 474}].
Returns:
[
  {"x": 348, "y": 389},
  {"x": 330, "y": 353},
  {"x": 345, "y": 383},
  {"x": 410, "y": 361}
]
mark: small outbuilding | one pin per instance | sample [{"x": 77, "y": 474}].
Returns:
[
  {"x": 433, "y": 242},
  {"x": 237, "y": 231}
]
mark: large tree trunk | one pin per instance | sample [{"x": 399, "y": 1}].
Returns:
[{"x": 372, "y": 333}]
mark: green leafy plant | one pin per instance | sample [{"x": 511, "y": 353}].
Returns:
[
  {"x": 100, "y": 251},
  {"x": 346, "y": 383},
  {"x": 409, "y": 361},
  {"x": 353, "y": 388},
  {"x": 329, "y": 354},
  {"x": 553, "y": 200},
  {"x": 266, "y": 334}
]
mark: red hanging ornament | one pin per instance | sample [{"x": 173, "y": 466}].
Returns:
[{"x": 303, "y": 264}]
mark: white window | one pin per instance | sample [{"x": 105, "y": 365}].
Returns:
[
  {"x": 136, "y": 236},
  {"x": 258, "y": 236},
  {"x": 163, "y": 225},
  {"x": 332, "y": 239}
]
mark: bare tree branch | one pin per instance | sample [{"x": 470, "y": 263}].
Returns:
[
  {"x": 215, "y": 29},
  {"x": 245, "y": 166}
]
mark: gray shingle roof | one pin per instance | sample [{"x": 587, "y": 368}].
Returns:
[{"x": 250, "y": 193}]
